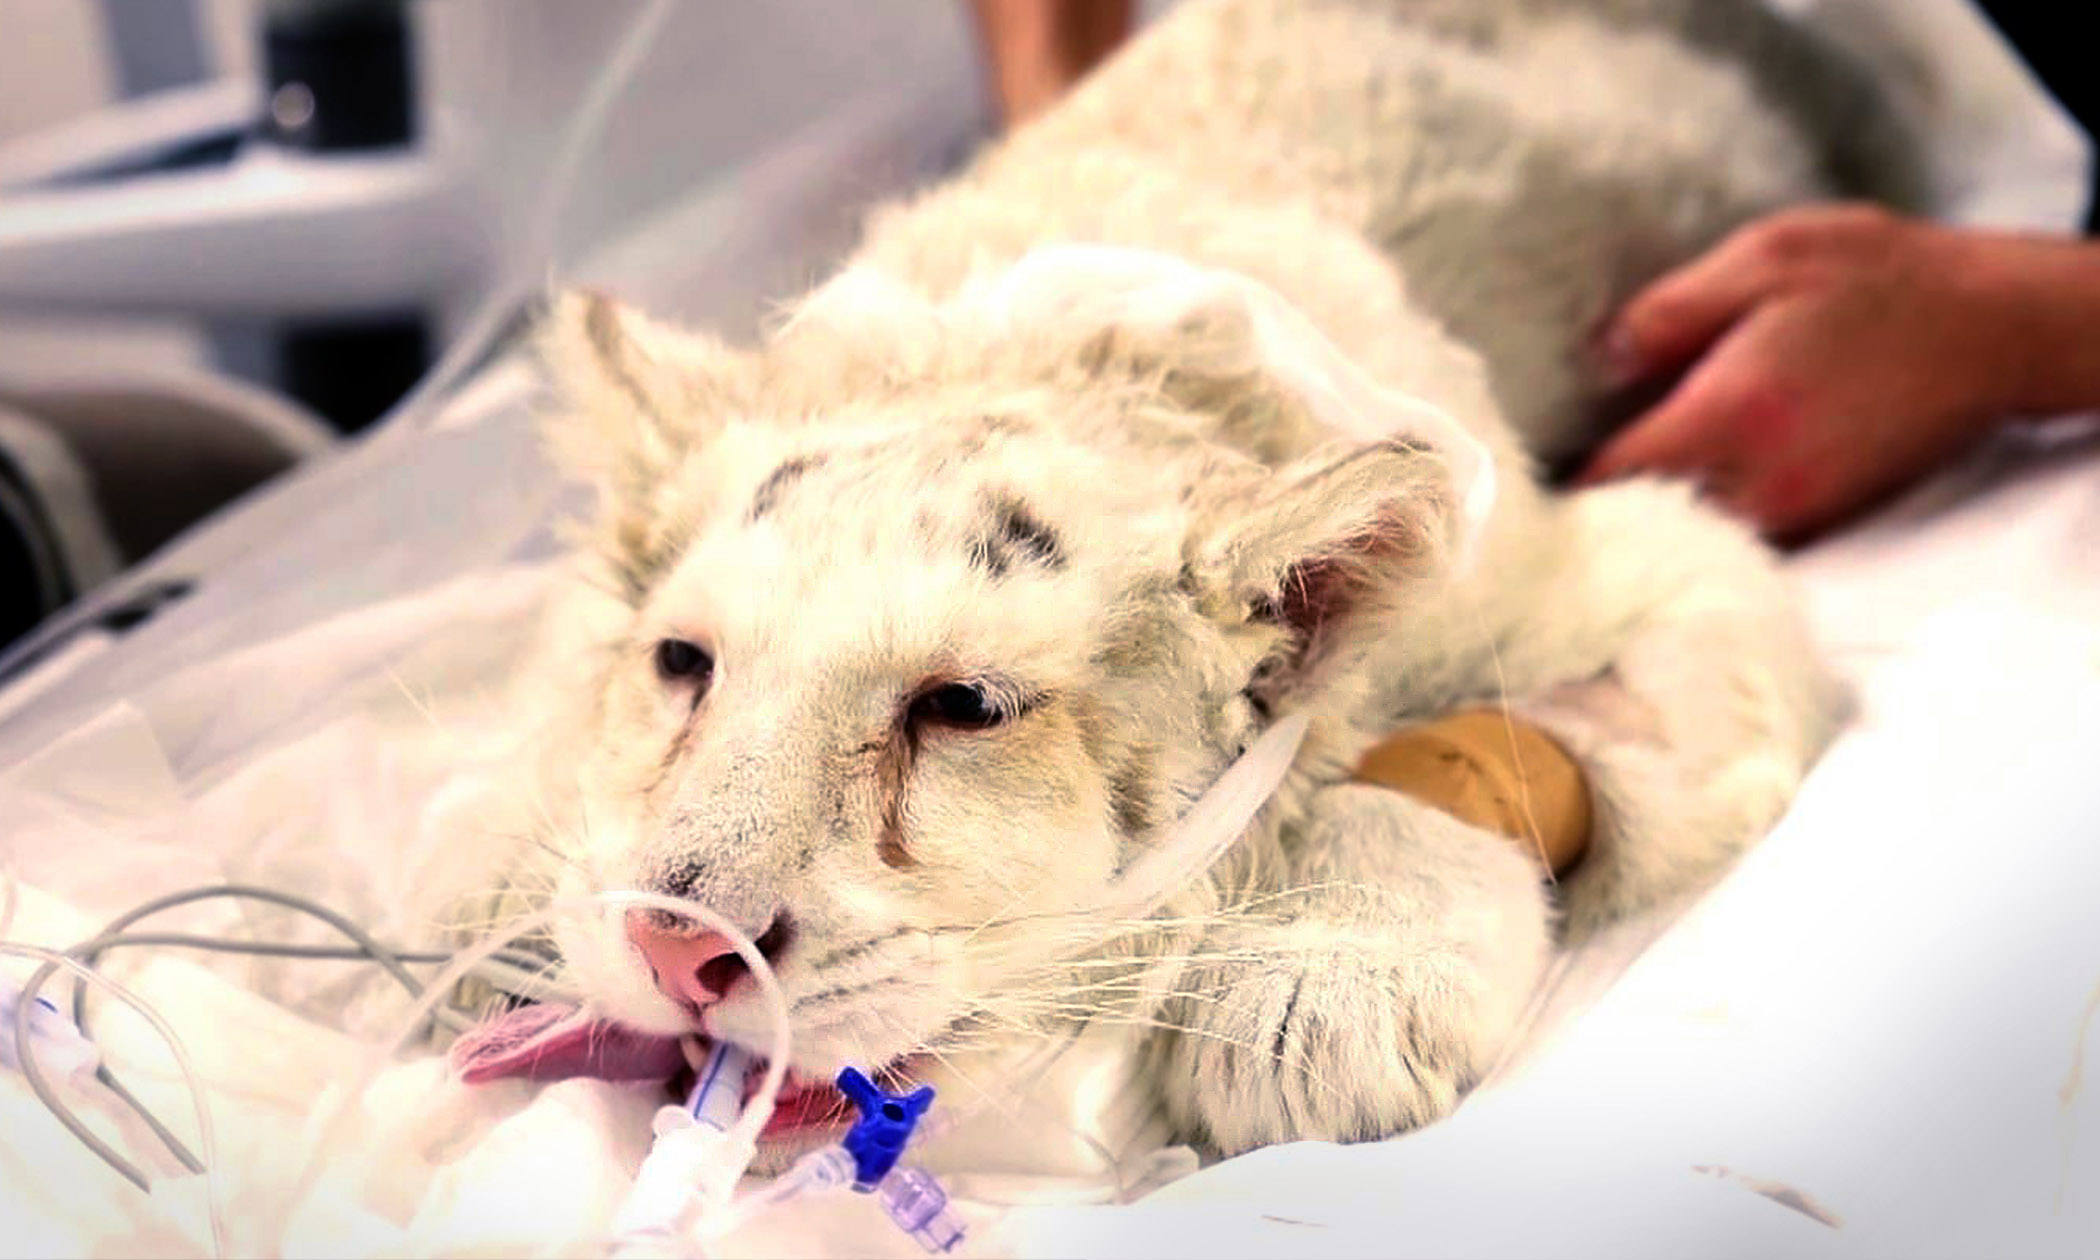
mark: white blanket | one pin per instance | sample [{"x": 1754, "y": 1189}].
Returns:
[{"x": 1866, "y": 1042}]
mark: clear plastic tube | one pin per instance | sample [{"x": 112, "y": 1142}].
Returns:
[
  {"x": 1213, "y": 824},
  {"x": 199, "y": 1103},
  {"x": 689, "y": 1176},
  {"x": 826, "y": 1168},
  {"x": 718, "y": 1086},
  {"x": 747, "y": 1128}
]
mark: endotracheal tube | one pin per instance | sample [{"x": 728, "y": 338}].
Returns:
[{"x": 686, "y": 1182}]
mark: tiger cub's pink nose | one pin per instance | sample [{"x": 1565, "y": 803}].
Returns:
[{"x": 698, "y": 967}]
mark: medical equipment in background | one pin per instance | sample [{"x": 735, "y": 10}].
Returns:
[
  {"x": 310, "y": 219},
  {"x": 341, "y": 218}
]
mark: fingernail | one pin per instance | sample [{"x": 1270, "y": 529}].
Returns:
[{"x": 1619, "y": 357}]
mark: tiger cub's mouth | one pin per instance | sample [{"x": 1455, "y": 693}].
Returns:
[{"x": 547, "y": 1042}]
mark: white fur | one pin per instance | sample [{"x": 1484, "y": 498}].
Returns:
[{"x": 1088, "y": 428}]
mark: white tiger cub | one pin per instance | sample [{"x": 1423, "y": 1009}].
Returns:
[{"x": 913, "y": 626}]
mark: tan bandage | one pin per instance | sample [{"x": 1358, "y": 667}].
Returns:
[{"x": 1496, "y": 772}]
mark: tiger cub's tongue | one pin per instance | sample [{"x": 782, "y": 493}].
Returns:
[{"x": 555, "y": 1043}]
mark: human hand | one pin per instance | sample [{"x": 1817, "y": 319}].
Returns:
[{"x": 1831, "y": 356}]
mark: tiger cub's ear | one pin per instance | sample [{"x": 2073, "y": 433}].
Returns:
[{"x": 632, "y": 400}]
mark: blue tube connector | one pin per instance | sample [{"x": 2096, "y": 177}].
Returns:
[
  {"x": 911, "y": 1197},
  {"x": 886, "y": 1123}
]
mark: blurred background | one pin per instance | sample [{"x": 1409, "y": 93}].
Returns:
[{"x": 61, "y": 60}]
